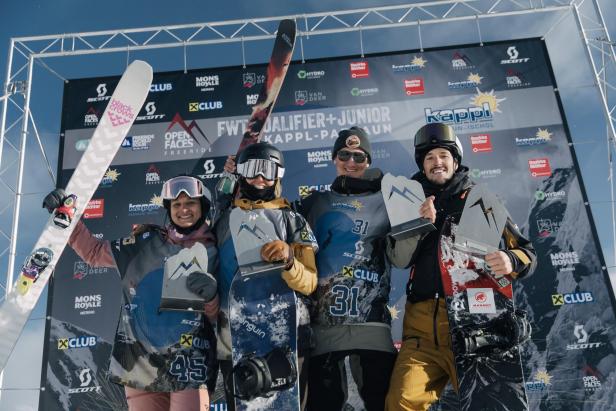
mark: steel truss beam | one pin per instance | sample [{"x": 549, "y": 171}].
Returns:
[{"x": 25, "y": 52}]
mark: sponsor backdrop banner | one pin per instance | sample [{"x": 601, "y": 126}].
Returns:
[{"x": 501, "y": 100}]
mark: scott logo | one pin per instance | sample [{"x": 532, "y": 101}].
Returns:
[{"x": 101, "y": 89}]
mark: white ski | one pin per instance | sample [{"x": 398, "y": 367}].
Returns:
[{"x": 123, "y": 107}]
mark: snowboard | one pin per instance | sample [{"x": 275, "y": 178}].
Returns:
[
  {"x": 123, "y": 107},
  {"x": 263, "y": 320},
  {"x": 486, "y": 329}
]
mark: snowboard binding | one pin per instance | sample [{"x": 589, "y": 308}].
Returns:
[
  {"x": 496, "y": 337},
  {"x": 258, "y": 376}
]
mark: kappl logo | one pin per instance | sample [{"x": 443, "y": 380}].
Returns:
[
  {"x": 85, "y": 383},
  {"x": 150, "y": 113},
  {"x": 91, "y": 117},
  {"x": 155, "y": 204},
  {"x": 472, "y": 81},
  {"x": 110, "y": 177},
  {"x": 359, "y": 69},
  {"x": 160, "y": 87},
  {"x": 547, "y": 226},
  {"x": 565, "y": 261},
  {"x": 360, "y": 274},
  {"x": 416, "y": 64},
  {"x": 461, "y": 62},
  {"x": 304, "y": 96},
  {"x": 515, "y": 79},
  {"x": 252, "y": 79},
  {"x": 180, "y": 135},
  {"x": 581, "y": 297},
  {"x": 76, "y": 342},
  {"x": 210, "y": 170},
  {"x": 101, "y": 94},
  {"x": 485, "y": 173},
  {"x": 414, "y": 86},
  {"x": 251, "y": 99},
  {"x": 207, "y": 83},
  {"x": 204, "y": 105},
  {"x": 481, "y": 143},
  {"x": 138, "y": 142},
  {"x": 542, "y": 136},
  {"x": 582, "y": 339},
  {"x": 480, "y": 114},
  {"x": 514, "y": 56},
  {"x": 152, "y": 175},
  {"x": 310, "y": 75},
  {"x": 86, "y": 304},
  {"x": 95, "y": 208},
  {"x": 364, "y": 92},
  {"x": 539, "y": 167},
  {"x": 540, "y": 382},
  {"x": 550, "y": 195},
  {"x": 81, "y": 270},
  {"x": 319, "y": 158}
]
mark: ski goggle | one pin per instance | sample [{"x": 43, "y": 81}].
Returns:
[
  {"x": 433, "y": 133},
  {"x": 358, "y": 157},
  {"x": 253, "y": 168},
  {"x": 190, "y": 186}
]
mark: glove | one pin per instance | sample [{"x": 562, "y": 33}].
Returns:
[
  {"x": 54, "y": 199},
  {"x": 202, "y": 284},
  {"x": 277, "y": 250}
]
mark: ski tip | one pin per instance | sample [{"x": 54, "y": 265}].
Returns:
[
  {"x": 286, "y": 25},
  {"x": 141, "y": 66}
]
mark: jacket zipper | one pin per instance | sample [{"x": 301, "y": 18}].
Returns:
[{"x": 436, "y": 298}]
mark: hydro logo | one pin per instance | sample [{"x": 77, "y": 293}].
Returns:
[
  {"x": 150, "y": 113},
  {"x": 160, "y": 87},
  {"x": 459, "y": 115},
  {"x": 572, "y": 298},
  {"x": 85, "y": 379},
  {"x": 310, "y": 75},
  {"x": 76, "y": 342},
  {"x": 360, "y": 274}
]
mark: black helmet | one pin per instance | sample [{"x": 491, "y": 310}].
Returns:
[
  {"x": 436, "y": 135},
  {"x": 260, "y": 159}
]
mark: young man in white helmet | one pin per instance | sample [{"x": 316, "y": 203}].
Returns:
[
  {"x": 425, "y": 363},
  {"x": 144, "y": 335}
]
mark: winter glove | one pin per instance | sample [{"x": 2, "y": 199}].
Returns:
[
  {"x": 54, "y": 199},
  {"x": 277, "y": 250},
  {"x": 202, "y": 284}
]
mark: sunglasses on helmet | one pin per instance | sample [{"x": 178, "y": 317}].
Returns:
[
  {"x": 253, "y": 168},
  {"x": 358, "y": 156}
]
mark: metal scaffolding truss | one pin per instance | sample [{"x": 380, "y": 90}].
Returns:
[{"x": 17, "y": 124}]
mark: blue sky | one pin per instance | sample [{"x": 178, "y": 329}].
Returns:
[{"x": 31, "y": 18}]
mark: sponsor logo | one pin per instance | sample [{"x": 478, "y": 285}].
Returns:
[
  {"x": 416, "y": 64},
  {"x": 473, "y": 80},
  {"x": 139, "y": 142},
  {"x": 306, "y": 235},
  {"x": 320, "y": 158},
  {"x": 189, "y": 340},
  {"x": 101, "y": 94},
  {"x": 572, "y": 298},
  {"x": 152, "y": 175},
  {"x": 514, "y": 56},
  {"x": 194, "y": 323},
  {"x": 360, "y": 274},
  {"x": 359, "y": 251},
  {"x": 414, "y": 86},
  {"x": 160, "y": 87},
  {"x": 481, "y": 143},
  {"x": 252, "y": 79},
  {"x": 364, "y": 92},
  {"x": 304, "y": 96},
  {"x": 150, "y": 113},
  {"x": 81, "y": 270},
  {"x": 185, "y": 137},
  {"x": 564, "y": 261},
  {"x": 119, "y": 113},
  {"x": 515, "y": 79},
  {"x": 542, "y": 136},
  {"x": 85, "y": 379},
  {"x": 95, "y": 208},
  {"x": 156, "y": 202},
  {"x": 582, "y": 339},
  {"x": 481, "y": 301},
  {"x": 477, "y": 173},
  {"x": 461, "y": 62},
  {"x": 210, "y": 170},
  {"x": 591, "y": 383},
  {"x": 484, "y": 105},
  {"x": 540, "y": 381},
  {"x": 86, "y": 304},
  {"x": 547, "y": 226},
  {"x": 380, "y": 153},
  {"x": 310, "y": 75},
  {"x": 91, "y": 117},
  {"x": 82, "y": 145},
  {"x": 539, "y": 167},
  {"x": 354, "y": 205},
  {"x": 251, "y": 99},
  {"x": 204, "y": 106},
  {"x": 110, "y": 177},
  {"x": 251, "y": 327},
  {"x": 550, "y": 195},
  {"x": 359, "y": 69},
  {"x": 305, "y": 191},
  {"x": 76, "y": 342},
  {"x": 207, "y": 83}
]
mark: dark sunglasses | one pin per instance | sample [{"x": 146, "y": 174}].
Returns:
[{"x": 358, "y": 157}]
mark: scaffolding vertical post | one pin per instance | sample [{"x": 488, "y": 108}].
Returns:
[{"x": 5, "y": 103}]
